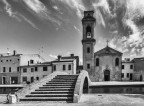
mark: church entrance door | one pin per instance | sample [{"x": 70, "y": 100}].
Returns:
[{"x": 106, "y": 75}]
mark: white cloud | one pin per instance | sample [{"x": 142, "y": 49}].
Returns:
[
  {"x": 53, "y": 56},
  {"x": 76, "y": 5},
  {"x": 55, "y": 7},
  {"x": 39, "y": 9},
  {"x": 9, "y": 10},
  {"x": 102, "y": 3},
  {"x": 30, "y": 22},
  {"x": 37, "y": 6},
  {"x": 76, "y": 28}
]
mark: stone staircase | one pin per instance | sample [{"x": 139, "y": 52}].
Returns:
[{"x": 60, "y": 89}]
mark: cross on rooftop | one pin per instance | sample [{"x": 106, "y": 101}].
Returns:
[{"x": 107, "y": 42}]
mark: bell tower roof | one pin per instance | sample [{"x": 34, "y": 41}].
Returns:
[{"x": 88, "y": 15}]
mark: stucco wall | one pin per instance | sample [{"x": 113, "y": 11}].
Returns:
[
  {"x": 138, "y": 69},
  {"x": 59, "y": 67},
  {"x": 107, "y": 62},
  {"x": 127, "y": 70},
  {"x": 12, "y": 62},
  {"x": 39, "y": 73},
  {"x": 9, "y": 61},
  {"x": 8, "y": 77}
]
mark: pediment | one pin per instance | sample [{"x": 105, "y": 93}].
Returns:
[{"x": 108, "y": 51}]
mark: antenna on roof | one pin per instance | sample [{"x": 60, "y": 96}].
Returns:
[{"x": 8, "y": 52}]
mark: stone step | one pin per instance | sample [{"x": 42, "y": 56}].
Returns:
[
  {"x": 50, "y": 95},
  {"x": 51, "y": 87},
  {"x": 52, "y": 92},
  {"x": 56, "y": 89},
  {"x": 61, "y": 82},
  {"x": 68, "y": 99},
  {"x": 59, "y": 85},
  {"x": 69, "y": 75},
  {"x": 65, "y": 79}
]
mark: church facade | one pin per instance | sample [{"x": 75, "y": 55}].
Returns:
[{"x": 103, "y": 65}]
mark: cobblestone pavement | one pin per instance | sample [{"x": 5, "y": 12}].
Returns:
[{"x": 90, "y": 100}]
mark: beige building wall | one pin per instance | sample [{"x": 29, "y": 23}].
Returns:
[
  {"x": 59, "y": 66},
  {"x": 11, "y": 71},
  {"x": 31, "y": 72},
  {"x": 127, "y": 71},
  {"x": 10, "y": 63}
]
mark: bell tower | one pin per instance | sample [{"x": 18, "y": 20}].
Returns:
[{"x": 88, "y": 41}]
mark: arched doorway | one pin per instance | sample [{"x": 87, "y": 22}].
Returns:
[
  {"x": 106, "y": 75},
  {"x": 85, "y": 86}
]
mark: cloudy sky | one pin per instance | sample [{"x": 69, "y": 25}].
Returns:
[{"x": 52, "y": 27}]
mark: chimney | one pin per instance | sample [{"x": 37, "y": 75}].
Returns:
[
  {"x": 72, "y": 55},
  {"x": 14, "y": 52},
  {"x": 28, "y": 63},
  {"x": 59, "y": 57}
]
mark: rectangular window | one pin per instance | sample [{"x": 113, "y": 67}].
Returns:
[
  {"x": 69, "y": 67},
  {"x": 64, "y": 67},
  {"x": 24, "y": 70},
  {"x": 37, "y": 78},
  {"x": 88, "y": 50},
  {"x": 32, "y": 69},
  {"x": 31, "y": 61},
  {"x": 36, "y": 69},
  {"x": 24, "y": 79},
  {"x": 131, "y": 66},
  {"x": 88, "y": 66},
  {"x": 122, "y": 75},
  {"x": 122, "y": 66},
  {"x": 4, "y": 69},
  {"x": 44, "y": 68},
  {"x": 127, "y": 75},
  {"x": 17, "y": 69},
  {"x": 54, "y": 67},
  {"x": 9, "y": 69}
]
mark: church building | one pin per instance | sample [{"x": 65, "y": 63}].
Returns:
[{"x": 103, "y": 65}]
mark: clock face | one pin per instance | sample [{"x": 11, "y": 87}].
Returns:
[{"x": 88, "y": 35}]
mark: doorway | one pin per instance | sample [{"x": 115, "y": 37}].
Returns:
[
  {"x": 32, "y": 79},
  {"x": 106, "y": 75},
  {"x": 14, "y": 80},
  {"x": 131, "y": 75},
  {"x": 3, "y": 80},
  {"x": 141, "y": 78}
]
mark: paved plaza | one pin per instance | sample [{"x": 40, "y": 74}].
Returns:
[{"x": 91, "y": 100}]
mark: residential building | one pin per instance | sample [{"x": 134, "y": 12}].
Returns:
[
  {"x": 67, "y": 64},
  {"x": 138, "y": 69},
  {"x": 127, "y": 70},
  {"x": 10, "y": 63},
  {"x": 31, "y": 73}
]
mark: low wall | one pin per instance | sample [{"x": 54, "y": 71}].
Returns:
[
  {"x": 35, "y": 85},
  {"x": 78, "y": 91}
]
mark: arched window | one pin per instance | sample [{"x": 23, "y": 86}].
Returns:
[
  {"x": 88, "y": 49},
  {"x": 117, "y": 62},
  {"x": 88, "y": 29},
  {"x": 97, "y": 61},
  {"x": 88, "y": 32}
]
